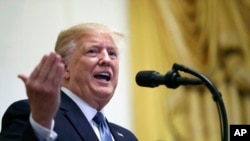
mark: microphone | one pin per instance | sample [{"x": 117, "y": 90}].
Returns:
[{"x": 171, "y": 79}]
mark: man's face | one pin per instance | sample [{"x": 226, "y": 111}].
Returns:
[{"x": 92, "y": 69}]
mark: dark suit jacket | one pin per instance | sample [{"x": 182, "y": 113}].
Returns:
[{"x": 70, "y": 124}]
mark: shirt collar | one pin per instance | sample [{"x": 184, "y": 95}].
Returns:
[{"x": 86, "y": 109}]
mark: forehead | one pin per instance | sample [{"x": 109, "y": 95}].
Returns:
[{"x": 97, "y": 37}]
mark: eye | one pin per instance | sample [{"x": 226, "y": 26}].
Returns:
[
  {"x": 92, "y": 52},
  {"x": 113, "y": 54}
]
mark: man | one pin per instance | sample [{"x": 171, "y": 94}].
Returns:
[{"x": 67, "y": 89}]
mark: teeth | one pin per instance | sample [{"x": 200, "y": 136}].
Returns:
[{"x": 103, "y": 75}]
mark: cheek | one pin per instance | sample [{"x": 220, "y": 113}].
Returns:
[
  {"x": 116, "y": 69},
  {"x": 81, "y": 77},
  {"x": 83, "y": 71},
  {"x": 80, "y": 70},
  {"x": 85, "y": 64}
]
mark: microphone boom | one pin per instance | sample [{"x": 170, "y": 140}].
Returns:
[{"x": 172, "y": 79}]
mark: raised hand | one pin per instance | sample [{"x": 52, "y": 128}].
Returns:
[{"x": 43, "y": 88}]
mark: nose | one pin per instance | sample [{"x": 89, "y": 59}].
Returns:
[{"x": 104, "y": 58}]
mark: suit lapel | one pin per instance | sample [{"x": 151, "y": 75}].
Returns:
[
  {"x": 118, "y": 136},
  {"x": 77, "y": 118}
]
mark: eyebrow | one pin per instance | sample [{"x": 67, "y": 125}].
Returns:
[{"x": 96, "y": 44}]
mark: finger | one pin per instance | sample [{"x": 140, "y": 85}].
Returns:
[
  {"x": 37, "y": 69},
  {"x": 47, "y": 66},
  {"x": 59, "y": 75},
  {"x": 56, "y": 71},
  {"x": 23, "y": 77}
]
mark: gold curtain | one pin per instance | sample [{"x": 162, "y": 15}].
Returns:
[{"x": 209, "y": 36}]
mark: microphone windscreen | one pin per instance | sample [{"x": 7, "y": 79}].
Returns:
[{"x": 145, "y": 78}]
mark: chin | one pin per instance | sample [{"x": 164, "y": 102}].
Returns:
[{"x": 105, "y": 93}]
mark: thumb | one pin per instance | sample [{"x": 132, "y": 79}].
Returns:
[{"x": 23, "y": 77}]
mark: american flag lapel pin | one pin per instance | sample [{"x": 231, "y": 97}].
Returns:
[{"x": 120, "y": 134}]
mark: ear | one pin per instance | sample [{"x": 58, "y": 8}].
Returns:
[{"x": 66, "y": 71}]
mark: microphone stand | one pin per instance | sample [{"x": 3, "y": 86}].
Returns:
[{"x": 216, "y": 97}]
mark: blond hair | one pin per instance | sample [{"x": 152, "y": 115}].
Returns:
[{"x": 66, "y": 40}]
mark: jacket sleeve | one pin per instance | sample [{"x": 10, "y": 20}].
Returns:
[{"x": 15, "y": 123}]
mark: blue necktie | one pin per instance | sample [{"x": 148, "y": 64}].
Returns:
[{"x": 103, "y": 127}]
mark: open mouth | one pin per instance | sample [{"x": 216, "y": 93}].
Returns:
[{"x": 103, "y": 76}]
